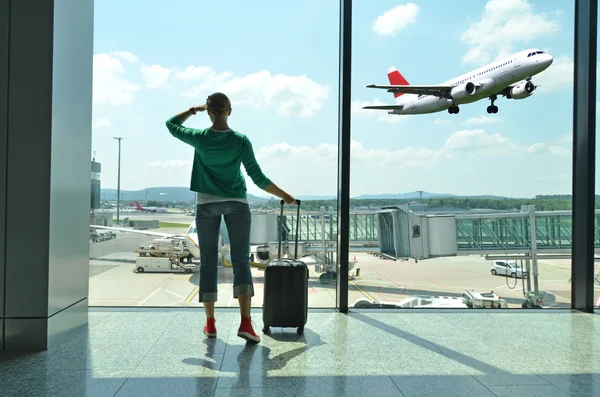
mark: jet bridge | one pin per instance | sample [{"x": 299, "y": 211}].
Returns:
[{"x": 399, "y": 233}]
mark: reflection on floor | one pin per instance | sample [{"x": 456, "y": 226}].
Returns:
[{"x": 163, "y": 352}]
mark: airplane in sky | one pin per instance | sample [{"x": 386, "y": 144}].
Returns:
[{"x": 510, "y": 77}]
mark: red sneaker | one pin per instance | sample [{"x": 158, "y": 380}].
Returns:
[
  {"x": 209, "y": 329},
  {"x": 247, "y": 332}
]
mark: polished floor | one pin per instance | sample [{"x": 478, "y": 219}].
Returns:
[{"x": 164, "y": 353}]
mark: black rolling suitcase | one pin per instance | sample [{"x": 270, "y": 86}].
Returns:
[{"x": 285, "y": 301}]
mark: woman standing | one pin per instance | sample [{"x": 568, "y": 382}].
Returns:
[{"x": 221, "y": 188}]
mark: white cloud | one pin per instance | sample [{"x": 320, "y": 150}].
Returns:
[
  {"x": 536, "y": 147},
  {"x": 407, "y": 157},
  {"x": 290, "y": 95},
  {"x": 380, "y": 115},
  {"x": 511, "y": 20},
  {"x": 559, "y": 151},
  {"x": 559, "y": 76},
  {"x": 482, "y": 120},
  {"x": 155, "y": 76},
  {"x": 567, "y": 138},
  {"x": 439, "y": 121},
  {"x": 372, "y": 166},
  {"x": 126, "y": 56},
  {"x": 171, "y": 164},
  {"x": 210, "y": 80},
  {"x": 477, "y": 142},
  {"x": 555, "y": 177},
  {"x": 393, "y": 21},
  {"x": 175, "y": 172},
  {"x": 196, "y": 73},
  {"x": 101, "y": 123},
  {"x": 470, "y": 143},
  {"x": 110, "y": 85}
]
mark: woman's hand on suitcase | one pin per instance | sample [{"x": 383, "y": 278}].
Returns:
[{"x": 289, "y": 199}]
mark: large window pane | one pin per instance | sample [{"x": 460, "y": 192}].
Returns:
[
  {"x": 278, "y": 63},
  {"x": 467, "y": 204}
]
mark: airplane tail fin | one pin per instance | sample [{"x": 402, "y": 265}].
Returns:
[{"x": 396, "y": 78}]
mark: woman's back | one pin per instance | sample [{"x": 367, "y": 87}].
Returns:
[{"x": 217, "y": 159}]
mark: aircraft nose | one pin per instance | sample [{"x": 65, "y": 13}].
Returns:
[{"x": 548, "y": 60}]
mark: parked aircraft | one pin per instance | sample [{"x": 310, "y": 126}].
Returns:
[
  {"x": 148, "y": 209},
  {"x": 191, "y": 240},
  {"x": 510, "y": 77}
]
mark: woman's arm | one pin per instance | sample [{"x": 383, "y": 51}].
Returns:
[
  {"x": 183, "y": 116},
  {"x": 175, "y": 127},
  {"x": 260, "y": 179},
  {"x": 276, "y": 191}
]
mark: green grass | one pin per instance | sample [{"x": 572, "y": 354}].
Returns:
[
  {"x": 171, "y": 224},
  {"x": 167, "y": 224}
]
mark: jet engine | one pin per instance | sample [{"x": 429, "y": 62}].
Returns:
[
  {"x": 463, "y": 91},
  {"x": 522, "y": 90}
]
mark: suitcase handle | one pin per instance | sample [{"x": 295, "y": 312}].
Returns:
[{"x": 281, "y": 229}]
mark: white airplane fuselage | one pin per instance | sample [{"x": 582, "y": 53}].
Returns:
[{"x": 489, "y": 80}]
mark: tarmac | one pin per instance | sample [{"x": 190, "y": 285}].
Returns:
[{"x": 113, "y": 281}]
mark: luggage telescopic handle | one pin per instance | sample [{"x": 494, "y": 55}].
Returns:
[{"x": 281, "y": 229}]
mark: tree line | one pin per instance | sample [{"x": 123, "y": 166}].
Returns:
[{"x": 541, "y": 202}]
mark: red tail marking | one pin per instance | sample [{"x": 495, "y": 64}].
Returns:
[{"x": 397, "y": 79}]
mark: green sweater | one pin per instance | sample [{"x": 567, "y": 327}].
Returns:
[{"x": 217, "y": 160}]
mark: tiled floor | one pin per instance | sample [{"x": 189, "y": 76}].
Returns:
[{"x": 164, "y": 353}]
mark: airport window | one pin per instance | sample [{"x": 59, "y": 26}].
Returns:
[
  {"x": 480, "y": 226},
  {"x": 416, "y": 231},
  {"x": 155, "y": 193},
  {"x": 372, "y": 167}
]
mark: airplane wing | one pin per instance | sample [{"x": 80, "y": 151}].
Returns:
[
  {"x": 442, "y": 91},
  {"x": 385, "y": 107},
  {"x": 122, "y": 229}
]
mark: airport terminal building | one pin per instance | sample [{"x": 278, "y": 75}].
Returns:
[{"x": 79, "y": 318}]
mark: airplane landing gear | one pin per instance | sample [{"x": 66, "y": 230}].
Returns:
[
  {"x": 453, "y": 109},
  {"x": 492, "y": 108}
]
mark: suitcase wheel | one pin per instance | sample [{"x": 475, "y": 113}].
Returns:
[
  {"x": 265, "y": 329},
  {"x": 300, "y": 330}
]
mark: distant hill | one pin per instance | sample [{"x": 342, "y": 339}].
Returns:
[
  {"x": 159, "y": 194},
  {"x": 426, "y": 195},
  {"x": 184, "y": 194}
]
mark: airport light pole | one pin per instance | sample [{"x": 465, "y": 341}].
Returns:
[
  {"x": 119, "y": 179},
  {"x": 420, "y": 199}
]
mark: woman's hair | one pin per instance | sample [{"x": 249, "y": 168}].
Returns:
[{"x": 218, "y": 103}]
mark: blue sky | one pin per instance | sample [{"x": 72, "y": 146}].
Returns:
[{"x": 278, "y": 62}]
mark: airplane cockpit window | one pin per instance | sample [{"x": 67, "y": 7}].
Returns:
[{"x": 539, "y": 52}]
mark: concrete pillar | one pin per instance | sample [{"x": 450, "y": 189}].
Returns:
[{"x": 46, "y": 59}]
